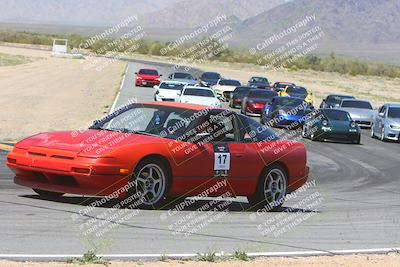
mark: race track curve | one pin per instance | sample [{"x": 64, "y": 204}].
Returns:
[{"x": 355, "y": 204}]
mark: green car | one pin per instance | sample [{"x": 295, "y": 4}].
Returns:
[{"x": 331, "y": 124}]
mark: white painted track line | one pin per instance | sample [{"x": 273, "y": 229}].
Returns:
[
  {"x": 193, "y": 255},
  {"x": 119, "y": 92}
]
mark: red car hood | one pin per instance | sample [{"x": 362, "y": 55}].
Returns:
[
  {"x": 147, "y": 77},
  {"x": 88, "y": 143}
]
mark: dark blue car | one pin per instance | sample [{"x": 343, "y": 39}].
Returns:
[{"x": 285, "y": 112}]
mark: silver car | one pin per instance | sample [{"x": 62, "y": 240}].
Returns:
[
  {"x": 360, "y": 111},
  {"x": 185, "y": 77},
  {"x": 386, "y": 124}
]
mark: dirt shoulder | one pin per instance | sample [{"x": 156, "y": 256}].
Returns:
[
  {"x": 49, "y": 94},
  {"x": 390, "y": 260}
]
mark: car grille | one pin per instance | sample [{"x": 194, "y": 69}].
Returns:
[
  {"x": 168, "y": 99},
  {"x": 363, "y": 122}
]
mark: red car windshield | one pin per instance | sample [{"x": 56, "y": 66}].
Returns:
[
  {"x": 152, "y": 120},
  {"x": 148, "y": 72}
]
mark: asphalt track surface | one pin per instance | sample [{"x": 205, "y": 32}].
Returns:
[{"x": 355, "y": 205}]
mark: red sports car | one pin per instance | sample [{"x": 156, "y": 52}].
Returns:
[
  {"x": 147, "y": 77},
  {"x": 163, "y": 150},
  {"x": 254, "y": 101}
]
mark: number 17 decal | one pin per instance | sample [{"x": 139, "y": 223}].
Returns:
[{"x": 222, "y": 160}]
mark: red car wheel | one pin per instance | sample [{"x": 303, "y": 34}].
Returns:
[
  {"x": 152, "y": 181},
  {"x": 271, "y": 189}
]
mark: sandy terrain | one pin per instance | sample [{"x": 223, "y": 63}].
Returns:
[
  {"x": 378, "y": 90},
  {"x": 391, "y": 260},
  {"x": 53, "y": 93}
]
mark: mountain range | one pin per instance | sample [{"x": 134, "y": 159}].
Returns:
[{"x": 357, "y": 27}]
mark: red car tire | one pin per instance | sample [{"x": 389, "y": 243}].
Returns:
[
  {"x": 153, "y": 180},
  {"x": 273, "y": 180}
]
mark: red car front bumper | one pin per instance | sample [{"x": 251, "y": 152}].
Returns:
[
  {"x": 67, "y": 174},
  {"x": 145, "y": 82}
]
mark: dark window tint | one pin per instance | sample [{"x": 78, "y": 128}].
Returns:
[
  {"x": 198, "y": 92},
  {"x": 356, "y": 104},
  {"x": 148, "y": 72},
  {"x": 242, "y": 90},
  {"x": 336, "y": 115},
  {"x": 256, "y": 132},
  {"x": 229, "y": 82},
  {"x": 211, "y": 75},
  {"x": 282, "y": 85},
  {"x": 171, "y": 86},
  {"x": 259, "y": 80},
  {"x": 394, "y": 113},
  {"x": 262, "y": 94},
  {"x": 183, "y": 75},
  {"x": 289, "y": 102},
  {"x": 337, "y": 99},
  {"x": 296, "y": 90}
]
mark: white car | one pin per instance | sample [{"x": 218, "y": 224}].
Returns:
[
  {"x": 224, "y": 88},
  {"x": 199, "y": 95},
  {"x": 168, "y": 91}
]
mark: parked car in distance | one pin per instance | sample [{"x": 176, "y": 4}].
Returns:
[
  {"x": 168, "y": 90},
  {"x": 254, "y": 101},
  {"x": 279, "y": 86},
  {"x": 386, "y": 124},
  {"x": 360, "y": 111},
  {"x": 147, "y": 77},
  {"x": 333, "y": 101},
  {"x": 183, "y": 77},
  {"x": 224, "y": 88},
  {"x": 285, "y": 112},
  {"x": 199, "y": 95},
  {"x": 209, "y": 79},
  {"x": 331, "y": 124},
  {"x": 259, "y": 82},
  {"x": 237, "y": 96}
]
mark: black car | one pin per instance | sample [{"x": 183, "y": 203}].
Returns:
[
  {"x": 259, "y": 82},
  {"x": 237, "y": 96},
  {"x": 333, "y": 101},
  {"x": 280, "y": 86},
  {"x": 297, "y": 91},
  {"x": 209, "y": 79}
]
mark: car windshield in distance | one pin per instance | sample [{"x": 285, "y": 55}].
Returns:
[
  {"x": 183, "y": 75},
  {"x": 289, "y": 102},
  {"x": 262, "y": 94},
  {"x": 356, "y": 104},
  {"x": 198, "y": 92},
  {"x": 229, "y": 82},
  {"x": 336, "y": 115},
  {"x": 148, "y": 72},
  {"x": 259, "y": 80},
  {"x": 337, "y": 99},
  {"x": 296, "y": 90},
  {"x": 211, "y": 76},
  {"x": 242, "y": 90},
  {"x": 394, "y": 113},
  {"x": 171, "y": 86}
]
